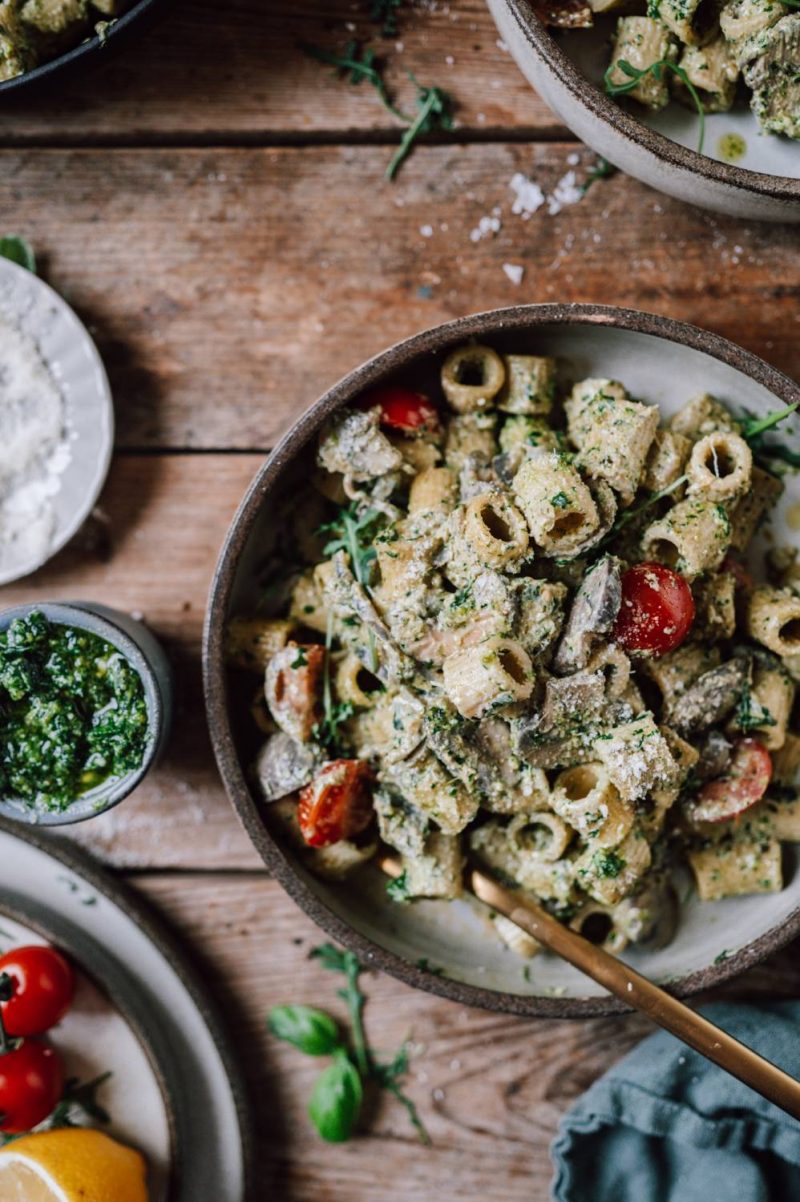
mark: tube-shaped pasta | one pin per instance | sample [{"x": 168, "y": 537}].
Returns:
[
  {"x": 785, "y": 819},
  {"x": 472, "y": 376},
  {"x": 522, "y": 431},
  {"x": 741, "y": 20},
  {"x": 692, "y": 537},
  {"x": 495, "y": 672},
  {"x": 496, "y": 530},
  {"x": 354, "y": 683},
  {"x": 719, "y": 467},
  {"x": 469, "y": 434},
  {"x": 436, "y": 872},
  {"x": 608, "y": 874},
  {"x": 715, "y": 607},
  {"x": 252, "y": 642},
  {"x": 713, "y": 72},
  {"x": 642, "y": 42},
  {"x": 762, "y": 494},
  {"x": 637, "y": 757},
  {"x": 612, "y": 661},
  {"x": 701, "y": 415},
  {"x": 514, "y": 937},
  {"x": 728, "y": 868},
  {"x": 772, "y": 692},
  {"x": 308, "y": 607},
  {"x": 433, "y": 488},
  {"x": 529, "y": 386},
  {"x": 665, "y": 460},
  {"x": 585, "y": 798},
  {"x": 786, "y": 761},
  {"x": 541, "y": 834},
  {"x": 675, "y": 672},
  {"x": 614, "y": 434},
  {"x": 695, "y": 22},
  {"x": 557, "y": 504},
  {"x": 426, "y": 784},
  {"x": 596, "y": 923},
  {"x": 773, "y": 619}
]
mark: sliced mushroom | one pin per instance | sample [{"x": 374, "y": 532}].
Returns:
[
  {"x": 711, "y": 698},
  {"x": 715, "y": 755},
  {"x": 592, "y": 616},
  {"x": 283, "y": 765}
]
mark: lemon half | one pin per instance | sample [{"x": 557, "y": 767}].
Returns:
[{"x": 74, "y": 1164}]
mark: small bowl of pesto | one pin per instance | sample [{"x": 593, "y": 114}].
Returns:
[{"x": 85, "y": 710}]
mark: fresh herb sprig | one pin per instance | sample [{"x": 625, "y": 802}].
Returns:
[
  {"x": 384, "y": 13},
  {"x": 18, "y": 250},
  {"x": 601, "y": 169},
  {"x": 630, "y": 515},
  {"x": 354, "y": 530},
  {"x": 334, "y": 713},
  {"x": 338, "y": 1093},
  {"x": 434, "y": 105},
  {"x": 769, "y": 454},
  {"x": 656, "y": 69}
]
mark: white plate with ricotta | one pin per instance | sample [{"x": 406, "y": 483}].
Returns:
[{"x": 57, "y": 419}]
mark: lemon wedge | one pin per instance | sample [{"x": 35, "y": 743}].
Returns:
[{"x": 74, "y": 1164}]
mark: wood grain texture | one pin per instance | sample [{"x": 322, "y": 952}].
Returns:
[
  {"x": 490, "y": 1088},
  {"x": 210, "y": 71},
  {"x": 151, "y": 550},
  {"x": 228, "y": 288}
]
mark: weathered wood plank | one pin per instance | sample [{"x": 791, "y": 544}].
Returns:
[
  {"x": 490, "y": 1088},
  {"x": 153, "y": 553},
  {"x": 211, "y": 71},
  {"x": 228, "y": 288}
]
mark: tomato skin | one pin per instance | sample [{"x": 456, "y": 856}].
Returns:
[
  {"x": 43, "y": 985},
  {"x": 31, "y": 1084},
  {"x": 743, "y": 785},
  {"x": 402, "y": 410},
  {"x": 657, "y": 610},
  {"x": 337, "y": 804}
]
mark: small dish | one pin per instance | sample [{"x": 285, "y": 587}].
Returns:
[
  {"x": 448, "y": 948},
  {"x": 145, "y": 653},
  {"x": 199, "y": 1132},
  {"x": 567, "y": 70},
  {"x": 68, "y": 352}
]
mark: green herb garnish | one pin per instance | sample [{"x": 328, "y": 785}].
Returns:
[
  {"x": 601, "y": 169},
  {"x": 397, "y": 889},
  {"x": 384, "y": 13},
  {"x": 18, "y": 250},
  {"x": 334, "y": 713},
  {"x": 560, "y": 501},
  {"x": 636, "y": 74},
  {"x": 338, "y": 1093},
  {"x": 434, "y": 111}
]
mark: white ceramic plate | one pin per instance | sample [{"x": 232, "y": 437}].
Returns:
[
  {"x": 71, "y": 356},
  {"x": 196, "y": 1134}
]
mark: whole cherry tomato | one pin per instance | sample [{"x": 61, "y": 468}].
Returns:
[
  {"x": 337, "y": 804},
  {"x": 657, "y": 609},
  {"x": 745, "y": 782},
  {"x": 31, "y": 1084},
  {"x": 42, "y": 984},
  {"x": 403, "y": 410}
]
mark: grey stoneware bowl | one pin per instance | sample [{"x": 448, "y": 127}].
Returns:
[
  {"x": 566, "y": 68},
  {"x": 147, "y": 656},
  {"x": 449, "y": 947}
]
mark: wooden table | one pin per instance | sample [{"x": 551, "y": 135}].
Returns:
[{"x": 213, "y": 205}]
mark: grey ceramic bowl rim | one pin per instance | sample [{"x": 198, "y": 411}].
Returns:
[
  {"x": 544, "y": 45},
  {"x": 270, "y": 475},
  {"x": 82, "y": 615}
]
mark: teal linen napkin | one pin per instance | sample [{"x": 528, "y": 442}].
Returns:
[{"x": 666, "y": 1125}]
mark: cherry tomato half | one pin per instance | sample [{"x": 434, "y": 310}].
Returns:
[
  {"x": 31, "y": 1083},
  {"x": 402, "y": 410},
  {"x": 337, "y": 804},
  {"x": 657, "y": 609},
  {"x": 42, "y": 984},
  {"x": 744, "y": 783}
]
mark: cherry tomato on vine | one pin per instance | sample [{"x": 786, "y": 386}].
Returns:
[
  {"x": 337, "y": 803},
  {"x": 42, "y": 984},
  {"x": 657, "y": 609},
  {"x": 31, "y": 1084},
  {"x": 744, "y": 784},
  {"x": 402, "y": 410}
]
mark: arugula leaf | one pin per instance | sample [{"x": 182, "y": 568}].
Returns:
[
  {"x": 434, "y": 111},
  {"x": 334, "y": 713},
  {"x": 755, "y": 427},
  {"x": 309, "y": 1030},
  {"x": 336, "y": 1099},
  {"x": 630, "y": 514},
  {"x": 769, "y": 454},
  {"x": 636, "y": 74},
  {"x": 384, "y": 13},
  {"x": 354, "y": 530},
  {"x": 358, "y": 67},
  {"x": 18, "y": 250}
]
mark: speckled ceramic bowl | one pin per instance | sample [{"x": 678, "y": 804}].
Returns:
[
  {"x": 448, "y": 947},
  {"x": 147, "y": 656},
  {"x": 566, "y": 68}
]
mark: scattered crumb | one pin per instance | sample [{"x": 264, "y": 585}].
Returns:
[
  {"x": 426, "y": 231},
  {"x": 566, "y": 192},
  {"x": 488, "y": 224},
  {"x": 573, "y": 159},
  {"x": 449, "y": 60},
  {"x": 501, "y": 45},
  {"x": 514, "y": 271},
  {"x": 528, "y": 196}
]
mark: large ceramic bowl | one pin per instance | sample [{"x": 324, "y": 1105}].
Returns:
[
  {"x": 659, "y": 149},
  {"x": 448, "y": 947}
]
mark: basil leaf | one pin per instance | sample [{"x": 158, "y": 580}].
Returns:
[
  {"x": 310, "y": 1030},
  {"x": 336, "y": 1100},
  {"x": 18, "y": 250}
]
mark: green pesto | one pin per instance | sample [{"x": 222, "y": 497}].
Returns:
[{"x": 72, "y": 713}]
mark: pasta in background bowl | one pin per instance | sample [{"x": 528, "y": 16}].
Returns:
[{"x": 452, "y": 947}]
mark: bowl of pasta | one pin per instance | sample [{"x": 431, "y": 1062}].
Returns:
[
  {"x": 522, "y": 591},
  {"x": 698, "y": 98}
]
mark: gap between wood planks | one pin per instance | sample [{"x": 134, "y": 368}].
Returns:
[{"x": 291, "y": 139}]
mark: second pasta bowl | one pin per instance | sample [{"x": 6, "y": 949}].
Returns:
[{"x": 424, "y": 625}]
